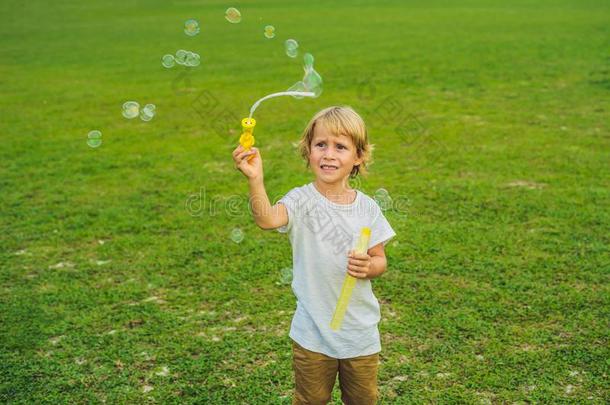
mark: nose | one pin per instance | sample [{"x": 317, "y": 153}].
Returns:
[{"x": 328, "y": 154}]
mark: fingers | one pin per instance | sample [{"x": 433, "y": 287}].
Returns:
[
  {"x": 356, "y": 273},
  {"x": 357, "y": 268},
  {"x": 245, "y": 155},
  {"x": 237, "y": 150},
  {"x": 359, "y": 259}
]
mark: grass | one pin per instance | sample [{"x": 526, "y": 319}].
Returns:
[{"x": 491, "y": 124}]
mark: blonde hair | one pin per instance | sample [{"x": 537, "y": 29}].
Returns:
[{"x": 340, "y": 121}]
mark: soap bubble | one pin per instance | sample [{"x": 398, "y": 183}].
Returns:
[
  {"x": 131, "y": 109},
  {"x": 298, "y": 86},
  {"x": 94, "y": 138},
  {"x": 313, "y": 82},
  {"x": 382, "y": 192},
  {"x": 168, "y": 61},
  {"x": 233, "y": 15},
  {"x": 181, "y": 56},
  {"x": 308, "y": 61},
  {"x": 383, "y": 199},
  {"x": 191, "y": 27},
  {"x": 187, "y": 58},
  {"x": 291, "y": 44},
  {"x": 192, "y": 59},
  {"x": 237, "y": 235},
  {"x": 148, "y": 112},
  {"x": 269, "y": 31},
  {"x": 286, "y": 275},
  {"x": 292, "y": 48},
  {"x": 312, "y": 79}
]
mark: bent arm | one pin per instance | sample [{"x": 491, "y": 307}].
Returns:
[
  {"x": 378, "y": 261},
  {"x": 265, "y": 215}
]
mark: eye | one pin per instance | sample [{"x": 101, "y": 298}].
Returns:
[
  {"x": 341, "y": 146},
  {"x": 320, "y": 144}
]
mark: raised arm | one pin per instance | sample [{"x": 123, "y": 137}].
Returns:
[{"x": 250, "y": 163}]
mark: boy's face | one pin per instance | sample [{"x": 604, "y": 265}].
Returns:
[{"x": 337, "y": 152}]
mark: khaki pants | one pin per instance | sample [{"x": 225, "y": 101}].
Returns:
[{"x": 315, "y": 375}]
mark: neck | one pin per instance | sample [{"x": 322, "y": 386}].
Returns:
[{"x": 336, "y": 192}]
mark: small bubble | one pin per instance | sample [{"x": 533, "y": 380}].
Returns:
[
  {"x": 381, "y": 192},
  {"x": 191, "y": 27},
  {"x": 192, "y": 59},
  {"x": 168, "y": 61},
  {"x": 131, "y": 109},
  {"x": 286, "y": 276},
  {"x": 148, "y": 112},
  {"x": 269, "y": 31},
  {"x": 385, "y": 203},
  {"x": 308, "y": 61},
  {"x": 237, "y": 235},
  {"x": 94, "y": 138},
  {"x": 383, "y": 199},
  {"x": 187, "y": 58},
  {"x": 181, "y": 56},
  {"x": 291, "y": 44},
  {"x": 292, "y": 48},
  {"x": 233, "y": 15}
]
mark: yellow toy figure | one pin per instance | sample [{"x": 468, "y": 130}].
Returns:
[
  {"x": 246, "y": 140},
  {"x": 349, "y": 283}
]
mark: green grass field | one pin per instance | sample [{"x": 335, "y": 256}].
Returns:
[{"x": 119, "y": 282}]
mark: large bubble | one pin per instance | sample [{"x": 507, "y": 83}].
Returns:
[
  {"x": 233, "y": 15},
  {"x": 298, "y": 86},
  {"x": 312, "y": 79}
]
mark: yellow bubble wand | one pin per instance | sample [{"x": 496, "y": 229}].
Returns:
[
  {"x": 349, "y": 283},
  {"x": 246, "y": 140}
]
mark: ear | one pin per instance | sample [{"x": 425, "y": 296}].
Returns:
[{"x": 359, "y": 159}]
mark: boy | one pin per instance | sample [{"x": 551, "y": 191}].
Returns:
[{"x": 323, "y": 220}]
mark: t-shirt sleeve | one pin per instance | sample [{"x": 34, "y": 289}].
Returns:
[
  {"x": 381, "y": 230},
  {"x": 290, "y": 201}
]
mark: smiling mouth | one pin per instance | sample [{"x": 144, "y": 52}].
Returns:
[{"x": 328, "y": 167}]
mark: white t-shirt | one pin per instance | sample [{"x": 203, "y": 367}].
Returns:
[{"x": 321, "y": 234}]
